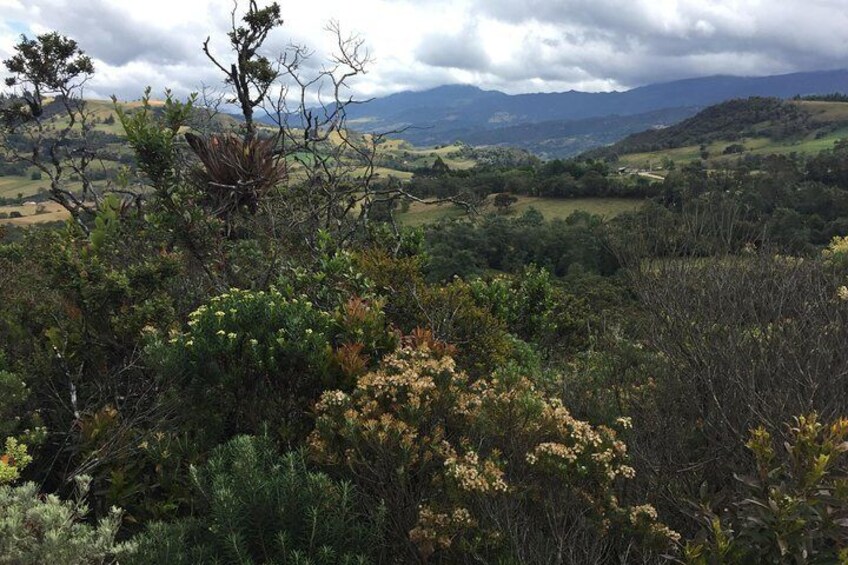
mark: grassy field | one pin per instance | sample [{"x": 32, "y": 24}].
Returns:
[
  {"x": 825, "y": 112},
  {"x": 415, "y": 157},
  {"x": 11, "y": 187},
  {"x": 49, "y": 212},
  {"x": 753, "y": 146},
  {"x": 551, "y": 208},
  {"x": 821, "y": 113}
]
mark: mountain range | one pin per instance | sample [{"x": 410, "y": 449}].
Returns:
[{"x": 561, "y": 124}]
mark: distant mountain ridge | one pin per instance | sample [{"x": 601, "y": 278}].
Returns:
[{"x": 466, "y": 113}]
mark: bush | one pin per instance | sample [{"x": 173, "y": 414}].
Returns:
[
  {"x": 256, "y": 359},
  {"x": 256, "y": 506},
  {"x": 36, "y": 529},
  {"x": 794, "y": 509},
  {"x": 536, "y": 309},
  {"x": 247, "y": 359},
  {"x": 479, "y": 470}
]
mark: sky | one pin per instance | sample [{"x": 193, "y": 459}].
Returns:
[{"x": 514, "y": 46}]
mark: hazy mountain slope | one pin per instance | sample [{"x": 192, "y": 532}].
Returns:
[{"x": 448, "y": 113}]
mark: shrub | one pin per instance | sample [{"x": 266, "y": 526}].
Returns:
[
  {"x": 794, "y": 509},
  {"x": 36, "y": 529},
  {"x": 247, "y": 359},
  {"x": 536, "y": 309},
  {"x": 449, "y": 311},
  {"x": 256, "y": 506},
  {"x": 477, "y": 469},
  {"x": 254, "y": 359},
  {"x": 15, "y": 458}
]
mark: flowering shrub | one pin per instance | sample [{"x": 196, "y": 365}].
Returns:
[
  {"x": 795, "y": 507},
  {"x": 475, "y": 467},
  {"x": 250, "y": 358},
  {"x": 450, "y": 311}
]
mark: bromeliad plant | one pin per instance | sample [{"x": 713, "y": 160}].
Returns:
[{"x": 237, "y": 173}]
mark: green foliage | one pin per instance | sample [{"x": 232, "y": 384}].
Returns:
[
  {"x": 504, "y": 200},
  {"x": 152, "y": 134},
  {"x": 48, "y": 64},
  {"x": 254, "y": 359},
  {"x": 729, "y": 120},
  {"x": 794, "y": 509},
  {"x": 75, "y": 318},
  {"x": 255, "y": 506},
  {"x": 329, "y": 277},
  {"x": 536, "y": 309},
  {"x": 510, "y": 244},
  {"x": 250, "y": 359},
  {"x": 13, "y": 460},
  {"x": 449, "y": 311},
  {"x": 13, "y": 396},
  {"x": 106, "y": 220},
  {"x": 36, "y": 529}
]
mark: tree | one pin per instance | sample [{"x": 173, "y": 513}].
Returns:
[
  {"x": 504, "y": 200},
  {"x": 51, "y": 136},
  {"x": 252, "y": 74},
  {"x": 338, "y": 184},
  {"x": 44, "y": 121}
]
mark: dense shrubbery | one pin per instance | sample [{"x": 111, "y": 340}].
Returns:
[
  {"x": 250, "y": 360},
  {"x": 452, "y": 457},
  {"x": 796, "y": 506},
  {"x": 256, "y": 506},
  {"x": 510, "y": 244},
  {"x": 498, "y": 389},
  {"x": 731, "y": 120},
  {"x": 35, "y": 529}
]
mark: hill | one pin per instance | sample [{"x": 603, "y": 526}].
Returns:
[
  {"x": 735, "y": 128},
  {"x": 465, "y": 113}
]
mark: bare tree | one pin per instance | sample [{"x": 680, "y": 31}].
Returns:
[{"x": 332, "y": 181}]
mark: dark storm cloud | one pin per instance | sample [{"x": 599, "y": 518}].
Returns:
[
  {"x": 511, "y": 45},
  {"x": 639, "y": 41}
]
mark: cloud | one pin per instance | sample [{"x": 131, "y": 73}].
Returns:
[
  {"x": 463, "y": 50},
  {"x": 510, "y": 45}
]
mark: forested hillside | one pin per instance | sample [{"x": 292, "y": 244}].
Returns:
[{"x": 252, "y": 343}]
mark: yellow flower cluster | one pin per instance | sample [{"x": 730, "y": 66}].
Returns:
[
  {"x": 645, "y": 517},
  {"x": 15, "y": 458}
]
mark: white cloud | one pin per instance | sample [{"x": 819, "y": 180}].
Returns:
[{"x": 511, "y": 45}]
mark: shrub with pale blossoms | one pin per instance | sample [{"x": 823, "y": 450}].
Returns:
[
  {"x": 476, "y": 468},
  {"x": 247, "y": 360}
]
